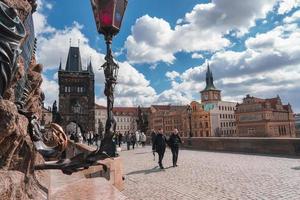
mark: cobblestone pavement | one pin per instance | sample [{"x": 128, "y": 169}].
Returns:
[{"x": 210, "y": 175}]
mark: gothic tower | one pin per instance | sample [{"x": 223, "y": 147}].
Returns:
[
  {"x": 210, "y": 93},
  {"x": 76, "y": 89}
]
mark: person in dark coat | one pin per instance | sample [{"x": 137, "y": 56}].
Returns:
[
  {"x": 153, "y": 135},
  {"x": 120, "y": 139},
  {"x": 127, "y": 140},
  {"x": 174, "y": 142},
  {"x": 160, "y": 146},
  {"x": 133, "y": 139}
]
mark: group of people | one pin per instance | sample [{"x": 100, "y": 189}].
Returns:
[
  {"x": 131, "y": 139},
  {"x": 160, "y": 142},
  {"x": 90, "y": 138}
]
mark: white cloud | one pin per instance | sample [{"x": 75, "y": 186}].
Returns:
[
  {"x": 287, "y": 5},
  {"x": 148, "y": 41},
  {"x": 172, "y": 75},
  {"x": 197, "y": 55},
  {"x": 202, "y": 29},
  {"x": 294, "y": 18},
  {"x": 50, "y": 88}
]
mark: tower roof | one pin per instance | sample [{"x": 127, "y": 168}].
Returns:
[
  {"x": 209, "y": 80},
  {"x": 60, "y": 68},
  {"x": 90, "y": 68},
  {"x": 74, "y": 60}
]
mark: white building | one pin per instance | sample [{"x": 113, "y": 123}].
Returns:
[
  {"x": 222, "y": 116},
  {"x": 100, "y": 117},
  {"x": 126, "y": 118}
]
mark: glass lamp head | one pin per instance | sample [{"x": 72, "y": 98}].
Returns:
[{"x": 108, "y": 15}]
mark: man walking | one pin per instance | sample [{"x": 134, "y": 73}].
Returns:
[
  {"x": 160, "y": 146},
  {"x": 153, "y": 135},
  {"x": 127, "y": 140},
  {"x": 133, "y": 140},
  {"x": 174, "y": 142},
  {"x": 120, "y": 137}
]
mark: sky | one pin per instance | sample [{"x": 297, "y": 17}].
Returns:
[{"x": 252, "y": 46}]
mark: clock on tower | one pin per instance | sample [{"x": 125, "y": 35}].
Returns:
[{"x": 210, "y": 93}]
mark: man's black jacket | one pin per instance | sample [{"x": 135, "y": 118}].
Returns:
[
  {"x": 160, "y": 142},
  {"x": 174, "y": 140}
]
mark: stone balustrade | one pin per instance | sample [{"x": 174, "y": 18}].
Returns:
[{"x": 279, "y": 146}]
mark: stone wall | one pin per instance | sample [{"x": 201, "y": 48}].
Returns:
[{"x": 279, "y": 146}]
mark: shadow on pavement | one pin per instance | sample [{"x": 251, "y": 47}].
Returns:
[
  {"x": 146, "y": 171},
  {"x": 149, "y": 171},
  {"x": 296, "y": 168},
  {"x": 143, "y": 152}
]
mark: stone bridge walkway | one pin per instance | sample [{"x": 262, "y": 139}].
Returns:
[{"x": 210, "y": 175}]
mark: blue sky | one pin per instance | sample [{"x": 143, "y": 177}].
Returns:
[{"x": 253, "y": 47}]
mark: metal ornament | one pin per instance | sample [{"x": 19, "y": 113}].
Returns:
[
  {"x": 12, "y": 32},
  {"x": 110, "y": 72}
]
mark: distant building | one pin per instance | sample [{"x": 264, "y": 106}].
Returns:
[
  {"x": 258, "y": 117},
  {"x": 221, "y": 113},
  {"x": 126, "y": 118},
  {"x": 76, "y": 87},
  {"x": 167, "y": 117},
  {"x": 201, "y": 125},
  {"x": 100, "y": 117},
  {"x": 297, "y": 122},
  {"x": 46, "y": 118}
]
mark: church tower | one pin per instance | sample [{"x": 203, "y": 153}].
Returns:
[
  {"x": 77, "y": 92},
  {"x": 210, "y": 93}
]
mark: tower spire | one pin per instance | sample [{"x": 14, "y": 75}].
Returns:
[
  {"x": 90, "y": 67},
  {"x": 209, "y": 79},
  {"x": 60, "y": 68}
]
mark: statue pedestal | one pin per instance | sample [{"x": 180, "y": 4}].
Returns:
[
  {"x": 77, "y": 186},
  {"x": 114, "y": 173}
]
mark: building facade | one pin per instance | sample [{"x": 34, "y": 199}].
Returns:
[
  {"x": 169, "y": 117},
  {"x": 76, "y": 88},
  {"x": 297, "y": 122},
  {"x": 46, "y": 118},
  {"x": 222, "y": 116},
  {"x": 126, "y": 118},
  {"x": 258, "y": 117},
  {"x": 200, "y": 121},
  {"x": 100, "y": 118}
]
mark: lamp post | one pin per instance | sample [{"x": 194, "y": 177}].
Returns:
[
  {"x": 76, "y": 108},
  {"x": 108, "y": 16},
  {"x": 189, "y": 111}
]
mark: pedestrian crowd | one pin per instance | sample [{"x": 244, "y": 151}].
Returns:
[
  {"x": 134, "y": 139},
  {"x": 131, "y": 139}
]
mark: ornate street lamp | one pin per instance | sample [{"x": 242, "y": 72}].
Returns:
[
  {"x": 189, "y": 111},
  {"x": 108, "y": 16},
  {"x": 76, "y": 109}
]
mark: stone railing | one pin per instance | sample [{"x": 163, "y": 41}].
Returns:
[{"x": 279, "y": 146}]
